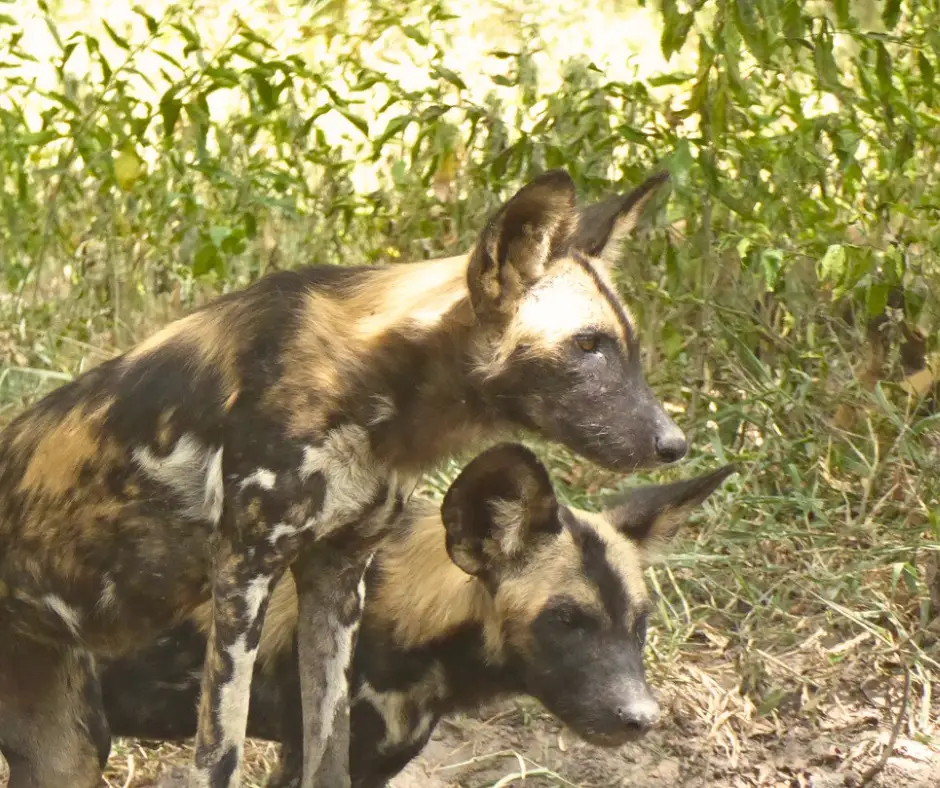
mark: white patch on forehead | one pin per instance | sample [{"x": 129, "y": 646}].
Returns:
[
  {"x": 262, "y": 478},
  {"x": 193, "y": 471},
  {"x": 565, "y": 303},
  {"x": 66, "y": 612}
]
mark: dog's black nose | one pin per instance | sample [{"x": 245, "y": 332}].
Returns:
[{"x": 671, "y": 445}]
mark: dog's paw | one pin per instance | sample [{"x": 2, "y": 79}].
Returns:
[{"x": 171, "y": 777}]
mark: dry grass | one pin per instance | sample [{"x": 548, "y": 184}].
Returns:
[
  {"x": 783, "y": 609},
  {"x": 795, "y": 605}
]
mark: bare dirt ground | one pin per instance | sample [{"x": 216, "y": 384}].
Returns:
[{"x": 708, "y": 737}]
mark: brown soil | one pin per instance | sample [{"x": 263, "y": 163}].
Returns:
[
  {"x": 476, "y": 752},
  {"x": 706, "y": 738},
  {"x": 709, "y": 736}
]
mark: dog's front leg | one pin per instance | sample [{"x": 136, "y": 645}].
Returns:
[
  {"x": 241, "y": 588},
  {"x": 329, "y": 606}
]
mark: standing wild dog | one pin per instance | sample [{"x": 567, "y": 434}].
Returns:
[
  {"x": 522, "y": 595},
  {"x": 284, "y": 425}
]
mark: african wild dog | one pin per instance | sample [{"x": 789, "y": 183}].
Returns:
[
  {"x": 554, "y": 606},
  {"x": 284, "y": 425}
]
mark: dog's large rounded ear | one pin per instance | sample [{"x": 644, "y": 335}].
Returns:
[
  {"x": 603, "y": 227},
  {"x": 497, "y": 508},
  {"x": 652, "y": 514},
  {"x": 520, "y": 241}
]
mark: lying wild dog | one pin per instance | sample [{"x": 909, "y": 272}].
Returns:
[
  {"x": 284, "y": 425},
  {"x": 522, "y": 595}
]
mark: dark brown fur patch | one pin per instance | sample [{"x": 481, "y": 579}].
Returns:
[
  {"x": 434, "y": 639},
  {"x": 287, "y": 420}
]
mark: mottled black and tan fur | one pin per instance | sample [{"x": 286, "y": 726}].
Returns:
[
  {"x": 284, "y": 425},
  {"x": 520, "y": 594}
]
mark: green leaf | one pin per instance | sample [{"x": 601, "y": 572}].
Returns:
[
  {"x": 218, "y": 234},
  {"x": 122, "y": 42},
  {"x": 67, "y": 53},
  {"x": 719, "y": 110},
  {"x": 6, "y": 19},
  {"x": 671, "y": 342},
  {"x": 358, "y": 122},
  {"x": 883, "y": 68},
  {"x": 926, "y": 77},
  {"x": 65, "y": 101},
  {"x": 250, "y": 35},
  {"x": 169, "y": 59},
  {"x": 207, "y": 259},
  {"x": 675, "y": 32},
  {"x": 933, "y": 36},
  {"x": 752, "y": 28},
  {"x": 771, "y": 261},
  {"x": 699, "y": 95},
  {"x": 224, "y": 77},
  {"x": 265, "y": 91},
  {"x": 905, "y": 148},
  {"x": 395, "y": 126},
  {"x": 193, "y": 43},
  {"x": 152, "y": 25},
  {"x": 170, "y": 111},
  {"x": 794, "y": 26},
  {"x": 827, "y": 72},
  {"x": 842, "y": 12},
  {"x": 675, "y": 78},
  {"x": 681, "y": 161},
  {"x": 632, "y": 134},
  {"x": 450, "y": 76},
  {"x": 37, "y": 139},
  {"x": 415, "y": 35},
  {"x": 832, "y": 266},
  {"x": 891, "y": 13},
  {"x": 877, "y": 298}
]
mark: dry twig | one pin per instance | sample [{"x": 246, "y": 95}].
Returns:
[{"x": 877, "y": 767}]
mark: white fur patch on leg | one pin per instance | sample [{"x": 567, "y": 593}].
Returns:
[
  {"x": 234, "y": 696},
  {"x": 255, "y": 595},
  {"x": 335, "y": 678}
]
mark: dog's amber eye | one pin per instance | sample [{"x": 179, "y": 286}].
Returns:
[{"x": 588, "y": 342}]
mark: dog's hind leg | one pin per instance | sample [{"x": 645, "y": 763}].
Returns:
[{"x": 53, "y": 730}]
